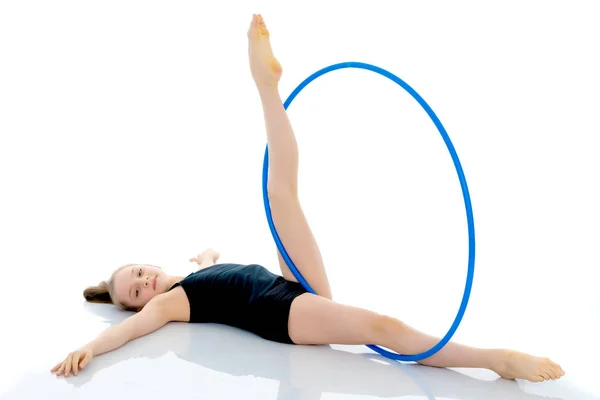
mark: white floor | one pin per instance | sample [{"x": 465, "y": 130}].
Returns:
[{"x": 209, "y": 361}]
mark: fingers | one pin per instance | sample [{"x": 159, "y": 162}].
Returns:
[
  {"x": 196, "y": 260},
  {"x": 68, "y": 364},
  {"x": 214, "y": 255},
  {"x": 72, "y": 364},
  {"x": 76, "y": 363},
  {"x": 56, "y": 367}
]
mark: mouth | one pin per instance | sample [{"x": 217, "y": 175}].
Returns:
[{"x": 154, "y": 283}]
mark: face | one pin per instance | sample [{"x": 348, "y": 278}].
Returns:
[{"x": 136, "y": 285}]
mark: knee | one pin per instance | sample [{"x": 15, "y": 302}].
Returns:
[
  {"x": 384, "y": 326},
  {"x": 280, "y": 192}
]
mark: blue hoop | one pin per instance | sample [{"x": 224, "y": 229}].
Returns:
[{"x": 463, "y": 184}]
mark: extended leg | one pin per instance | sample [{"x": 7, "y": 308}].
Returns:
[
  {"x": 288, "y": 217},
  {"x": 316, "y": 320}
]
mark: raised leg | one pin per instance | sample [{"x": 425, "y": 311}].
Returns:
[
  {"x": 316, "y": 320},
  {"x": 288, "y": 217}
]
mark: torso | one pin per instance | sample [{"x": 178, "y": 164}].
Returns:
[
  {"x": 219, "y": 293},
  {"x": 249, "y": 297}
]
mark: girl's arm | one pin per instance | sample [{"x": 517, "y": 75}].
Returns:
[
  {"x": 152, "y": 317},
  {"x": 170, "y": 306}
]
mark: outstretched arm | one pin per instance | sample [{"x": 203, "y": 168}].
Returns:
[{"x": 153, "y": 316}]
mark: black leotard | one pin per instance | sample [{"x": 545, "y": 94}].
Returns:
[{"x": 249, "y": 297}]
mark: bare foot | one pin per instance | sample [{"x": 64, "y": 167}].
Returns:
[
  {"x": 515, "y": 365},
  {"x": 265, "y": 68}
]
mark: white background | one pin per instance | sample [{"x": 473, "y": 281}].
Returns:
[{"x": 131, "y": 132}]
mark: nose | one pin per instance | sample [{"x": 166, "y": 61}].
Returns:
[{"x": 147, "y": 283}]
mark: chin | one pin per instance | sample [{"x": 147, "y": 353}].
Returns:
[{"x": 163, "y": 283}]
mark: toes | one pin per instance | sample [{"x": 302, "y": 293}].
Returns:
[
  {"x": 261, "y": 22},
  {"x": 252, "y": 25},
  {"x": 547, "y": 376},
  {"x": 253, "y": 31},
  {"x": 258, "y": 27},
  {"x": 558, "y": 372},
  {"x": 554, "y": 369}
]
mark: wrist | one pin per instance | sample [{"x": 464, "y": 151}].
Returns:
[{"x": 90, "y": 347}]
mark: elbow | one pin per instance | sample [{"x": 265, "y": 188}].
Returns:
[{"x": 151, "y": 318}]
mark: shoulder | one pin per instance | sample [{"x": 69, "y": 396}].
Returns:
[{"x": 174, "y": 305}]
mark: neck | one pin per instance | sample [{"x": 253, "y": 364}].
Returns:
[{"x": 174, "y": 279}]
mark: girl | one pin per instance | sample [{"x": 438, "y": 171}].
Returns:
[{"x": 275, "y": 307}]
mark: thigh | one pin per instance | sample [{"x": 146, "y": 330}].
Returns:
[
  {"x": 318, "y": 320},
  {"x": 299, "y": 242}
]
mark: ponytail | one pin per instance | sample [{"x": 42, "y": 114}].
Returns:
[
  {"x": 105, "y": 292},
  {"x": 98, "y": 294}
]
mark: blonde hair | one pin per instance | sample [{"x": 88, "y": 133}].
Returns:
[{"x": 104, "y": 292}]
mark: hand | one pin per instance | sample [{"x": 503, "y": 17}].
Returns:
[
  {"x": 206, "y": 255},
  {"x": 75, "y": 360}
]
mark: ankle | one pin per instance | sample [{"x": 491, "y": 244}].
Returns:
[
  {"x": 497, "y": 359},
  {"x": 268, "y": 91}
]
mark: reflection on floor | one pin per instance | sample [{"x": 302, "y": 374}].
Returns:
[{"x": 220, "y": 362}]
